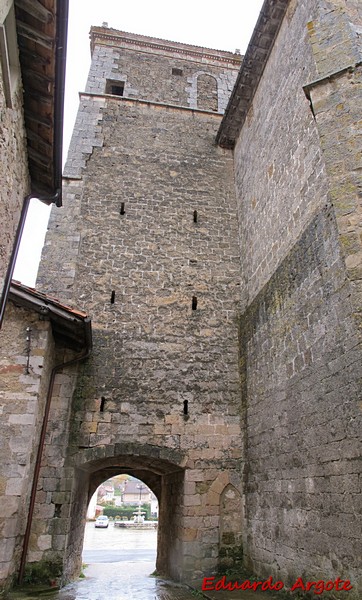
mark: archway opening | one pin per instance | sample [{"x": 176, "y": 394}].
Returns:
[
  {"x": 121, "y": 528},
  {"x": 164, "y": 478}
]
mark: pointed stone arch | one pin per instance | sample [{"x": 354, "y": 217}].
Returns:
[{"x": 230, "y": 530}]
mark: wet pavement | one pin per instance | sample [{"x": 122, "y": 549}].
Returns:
[{"x": 119, "y": 566}]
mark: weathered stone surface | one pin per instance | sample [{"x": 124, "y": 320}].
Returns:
[
  {"x": 22, "y": 397},
  {"x": 301, "y": 352},
  {"x": 168, "y": 289},
  {"x": 13, "y": 166},
  {"x": 151, "y": 262}
]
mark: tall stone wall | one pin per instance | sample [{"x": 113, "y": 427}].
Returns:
[
  {"x": 300, "y": 352},
  {"x": 13, "y": 165},
  {"x": 154, "y": 259},
  {"x": 22, "y": 397},
  {"x": 171, "y": 266}
]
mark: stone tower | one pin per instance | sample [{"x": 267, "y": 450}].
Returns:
[{"x": 147, "y": 245}]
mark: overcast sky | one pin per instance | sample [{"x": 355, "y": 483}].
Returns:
[{"x": 201, "y": 22}]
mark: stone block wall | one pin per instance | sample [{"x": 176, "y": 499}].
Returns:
[
  {"x": 170, "y": 68},
  {"x": 300, "y": 346},
  {"x": 144, "y": 248},
  {"x": 13, "y": 168},
  {"x": 302, "y": 366},
  {"x": 172, "y": 267},
  {"x": 22, "y": 397},
  {"x": 50, "y": 524},
  {"x": 336, "y": 97}
]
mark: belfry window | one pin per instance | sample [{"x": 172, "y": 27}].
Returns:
[{"x": 115, "y": 88}]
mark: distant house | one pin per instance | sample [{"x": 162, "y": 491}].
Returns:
[
  {"x": 106, "y": 492},
  {"x": 135, "y": 491}
]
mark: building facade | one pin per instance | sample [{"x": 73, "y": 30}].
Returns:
[
  {"x": 160, "y": 397},
  {"x": 211, "y": 228},
  {"x": 32, "y": 70}
]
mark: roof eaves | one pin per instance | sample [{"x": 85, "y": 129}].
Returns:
[
  {"x": 70, "y": 326},
  {"x": 251, "y": 70}
]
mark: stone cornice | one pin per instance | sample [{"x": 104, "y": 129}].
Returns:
[
  {"x": 255, "y": 59},
  {"x": 122, "y": 39},
  {"x": 136, "y": 101}
]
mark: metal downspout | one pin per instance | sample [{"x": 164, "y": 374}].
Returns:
[{"x": 55, "y": 370}]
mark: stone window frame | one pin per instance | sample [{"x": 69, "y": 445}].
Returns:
[
  {"x": 119, "y": 83},
  {"x": 193, "y": 91},
  {"x": 9, "y": 56}
]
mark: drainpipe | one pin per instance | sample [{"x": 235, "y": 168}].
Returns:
[{"x": 54, "y": 372}]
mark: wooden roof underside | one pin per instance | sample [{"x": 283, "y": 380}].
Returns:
[{"x": 37, "y": 30}]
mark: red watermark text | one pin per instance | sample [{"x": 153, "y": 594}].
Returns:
[{"x": 317, "y": 587}]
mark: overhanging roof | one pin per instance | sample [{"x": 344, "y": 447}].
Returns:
[
  {"x": 42, "y": 38},
  {"x": 253, "y": 65},
  {"x": 71, "y": 328}
]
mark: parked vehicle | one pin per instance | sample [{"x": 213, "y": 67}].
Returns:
[{"x": 101, "y": 521}]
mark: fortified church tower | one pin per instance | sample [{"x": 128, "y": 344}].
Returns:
[{"x": 147, "y": 246}]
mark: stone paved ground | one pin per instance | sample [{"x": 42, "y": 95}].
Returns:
[{"x": 130, "y": 581}]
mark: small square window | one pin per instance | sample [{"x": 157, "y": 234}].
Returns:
[
  {"x": 115, "y": 88},
  {"x": 176, "y": 71}
]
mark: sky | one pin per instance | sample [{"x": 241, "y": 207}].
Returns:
[{"x": 199, "y": 22}]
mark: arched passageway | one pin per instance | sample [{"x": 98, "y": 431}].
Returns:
[
  {"x": 121, "y": 529},
  {"x": 163, "y": 476}
]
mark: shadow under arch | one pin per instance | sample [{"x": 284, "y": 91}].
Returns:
[{"x": 161, "y": 469}]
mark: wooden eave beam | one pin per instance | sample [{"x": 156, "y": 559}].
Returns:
[
  {"x": 36, "y": 9},
  {"x": 34, "y": 35}
]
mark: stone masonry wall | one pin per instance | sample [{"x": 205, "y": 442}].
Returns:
[
  {"x": 169, "y": 75},
  {"x": 50, "y": 525},
  {"x": 300, "y": 354},
  {"x": 13, "y": 171},
  {"x": 22, "y": 397},
  {"x": 152, "y": 351},
  {"x": 336, "y": 98},
  {"x": 302, "y": 370},
  {"x": 279, "y": 170},
  {"x": 148, "y": 243}
]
